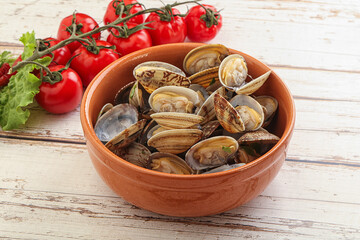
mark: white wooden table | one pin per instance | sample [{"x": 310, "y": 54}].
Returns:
[{"x": 50, "y": 190}]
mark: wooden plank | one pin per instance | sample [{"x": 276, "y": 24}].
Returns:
[{"x": 57, "y": 186}]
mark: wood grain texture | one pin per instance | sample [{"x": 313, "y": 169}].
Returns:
[{"x": 50, "y": 190}]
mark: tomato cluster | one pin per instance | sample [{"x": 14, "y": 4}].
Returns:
[{"x": 79, "y": 61}]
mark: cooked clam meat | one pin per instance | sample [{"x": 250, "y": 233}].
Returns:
[
  {"x": 234, "y": 72},
  {"x": 172, "y": 102},
  {"x": 211, "y": 152},
  {"x": 250, "y": 117}
]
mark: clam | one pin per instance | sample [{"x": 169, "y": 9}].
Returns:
[
  {"x": 254, "y": 144},
  {"x": 152, "y": 75},
  {"x": 122, "y": 96},
  {"x": 270, "y": 105},
  {"x": 209, "y": 128},
  {"x": 242, "y": 113},
  {"x": 169, "y": 163},
  {"x": 104, "y": 109},
  {"x": 207, "y": 109},
  {"x": 135, "y": 153},
  {"x": 173, "y": 99},
  {"x": 137, "y": 96},
  {"x": 204, "y": 57},
  {"x": 224, "y": 168},
  {"x": 127, "y": 136},
  {"x": 233, "y": 72},
  {"x": 211, "y": 152},
  {"x": 201, "y": 92},
  {"x": 172, "y": 120},
  {"x": 175, "y": 141},
  {"x": 114, "y": 121},
  {"x": 206, "y": 77}
]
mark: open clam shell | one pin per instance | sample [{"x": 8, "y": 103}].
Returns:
[
  {"x": 211, "y": 152},
  {"x": 152, "y": 76},
  {"x": 127, "y": 136},
  {"x": 204, "y": 57},
  {"x": 175, "y": 120},
  {"x": 270, "y": 105},
  {"x": 233, "y": 71},
  {"x": 122, "y": 96},
  {"x": 104, "y": 109},
  {"x": 173, "y": 99},
  {"x": 250, "y": 110},
  {"x": 252, "y": 86},
  {"x": 175, "y": 141},
  {"x": 115, "y": 121},
  {"x": 169, "y": 163}
]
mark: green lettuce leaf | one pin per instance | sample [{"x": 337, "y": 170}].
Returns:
[
  {"x": 21, "y": 89},
  {"x": 6, "y": 57}
]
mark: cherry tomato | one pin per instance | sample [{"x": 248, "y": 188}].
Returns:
[
  {"x": 110, "y": 14},
  {"x": 61, "y": 55},
  {"x": 87, "y": 64},
  {"x": 84, "y": 22},
  {"x": 138, "y": 40},
  {"x": 198, "y": 22},
  {"x": 164, "y": 31},
  {"x": 63, "y": 96}
]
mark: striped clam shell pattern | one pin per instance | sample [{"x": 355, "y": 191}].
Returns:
[{"x": 203, "y": 118}]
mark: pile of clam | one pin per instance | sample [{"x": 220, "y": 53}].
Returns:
[{"x": 202, "y": 121}]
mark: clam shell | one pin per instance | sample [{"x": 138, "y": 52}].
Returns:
[
  {"x": 191, "y": 95},
  {"x": 204, "y": 57},
  {"x": 270, "y": 105},
  {"x": 260, "y": 136},
  {"x": 209, "y": 128},
  {"x": 152, "y": 77},
  {"x": 224, "y": 168},
  {"x": 176, "y": 120},
  {"x": 115, "y": 121},
  {"x": 135, "y": 153},
  {"x": 227, "y": 115},
  {"x": 252, "y": 86},
  {"x": 169, "y": 163},
  {"x": 127, "y": 136},
  {"x": 159, "y": 64},
  {"x": 205, "y": 77},
  {"x": 244, "y": 100},
  {"x": 207, "y": 110},
  {"x": 211, "y": 152},
  {"x": 122, "y": 96},
  {"x": 104, "y": 109},
  {"x": 175, "y": 141},
  {"x": 233, "y": 72}
]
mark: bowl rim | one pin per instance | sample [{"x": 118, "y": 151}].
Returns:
[{"x": 91, "y": 136}]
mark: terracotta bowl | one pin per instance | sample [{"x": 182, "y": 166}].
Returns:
[{"x": 183, "y": 195}]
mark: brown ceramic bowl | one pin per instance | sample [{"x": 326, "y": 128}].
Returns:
[{"x": 183, "y": 195}]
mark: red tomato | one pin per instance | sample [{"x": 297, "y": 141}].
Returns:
[
  {"x": 87, "y": 22},
  {"x": 166, "y": 31},
  {"x": 197, "y": 28},
  {"x": 138, "y": 40},
  {"x": 88, "y": 64},
  {"x": 61, "y": 55},
  {"x": 63, "y": 96},
  {"x": 110, "y": 14}
]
